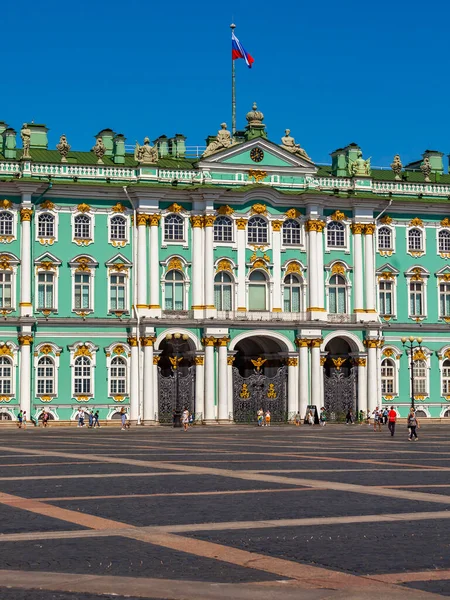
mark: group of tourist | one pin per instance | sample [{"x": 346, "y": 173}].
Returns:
[
  {"x": 263, "y": 418},
  {"x": 384, "y": 416},
  {"x": 92, "y": 417}
]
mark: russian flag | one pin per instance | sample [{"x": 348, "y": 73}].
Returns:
[{"x": 238, "y": 51}]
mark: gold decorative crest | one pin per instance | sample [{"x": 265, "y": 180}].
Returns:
[
  {"x": 199, "y": 360},
  {"x": 225, "y": 210},
  {"x": 224, "y": 265},
  {"x": 82, "y": 350},
  {"x": 118, "y": 208},
  {"x": 258, "y": 209},
  {"x": 419, "y": 355},
  {"x": 292, "y": 213},
  {"x": 338, "y": 269},
  {"x": 271, "y": 393},
  {"x": 46, "y": 349},
  {"x": 5, "y": 351},
  {"x": 257, "y": 175},
  {"x": 338, "y": 216},
  {"x": 244, "y": 393},
  {"x": 294, "y": 267},
  {"x": 418, "y": 274},
  {"x": 277, "y": 225},
  {"x": 338, "y": 362},
  {"x": 175, "y": 264},
  {"x": 258, "y": 363},
  {"x": 47, "y": 205},
  {"x": 83, "y": 207},
  {"x": 241, "y": 223},
  {"x": 26, "y": 214},
  {"x": 386, "y": 220},
  {"x": 416, "y": 222},
  {"x": 5, "y": 204},
  {"x": 175, "y": 208}
]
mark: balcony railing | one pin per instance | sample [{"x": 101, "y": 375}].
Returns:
[{"x": 260, "y": 315}]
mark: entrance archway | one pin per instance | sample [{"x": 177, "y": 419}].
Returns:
[
  {"x": 259, "y": 379},
  {"x": 339, "y": 379}
]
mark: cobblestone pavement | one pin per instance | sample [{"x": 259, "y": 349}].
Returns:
[{"x": 216, "y": 513}]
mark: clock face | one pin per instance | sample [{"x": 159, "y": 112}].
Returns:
[{"x": 257, "y": 154}]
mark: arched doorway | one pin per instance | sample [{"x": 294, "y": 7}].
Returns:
[
  {"x": 176, "y": 376},
  {"x": 339, "y": 379},
  {"x": 5, "y": 416},
  {"x": 259, "y": 379}
]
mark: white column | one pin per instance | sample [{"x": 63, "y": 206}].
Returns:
[
  {"x": 230, "y": 361},
  {"x": 209, "y": 264},
  {"x": 24, "y": 394},
  {"x": 198, "y": 262},
  {"x": 156, "y": 385},
  {"x": 200, "y": 385},
  {"x": 149, "y": 398},
  {"x": 372, "y": 375},
  {"x": 25, "y": 306},
  {"x": 223, "y": 379},
  {"x": 369, "y": 268},
  {"x": 134, "y": 388},
  {"x": 362, "y": 384},
  {"x": 155, "y": 284},
  {"x": 276, "y": 253},
  {"x": 358, "y": 300},
  {"x": 210, "y": 410},
  {"x": 312, "y": 265},
  {"x": 142, "y": 261},
  {"x": 292, "y": 385},
  {"x": 316, "y": 374},
  {"x": 303, "y": 376},
  {"x": 242, "y": 301},
  {"x": 320, "y": 282}
]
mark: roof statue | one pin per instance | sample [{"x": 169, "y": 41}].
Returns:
[
  {"x": 359, "y": 166},
  {"x": 288, "y": 143},
  {"x": 223, "y": 140},
  {"x": 63, "y": 148},
  {"x": 425, "y": 167},
  {"x": 397, "y": 167},
  {"x": 99, "y": 150},
  {"x": 255, "y": 116},
  {"x": 146, "y": 154},
  {"x": 25, "y": 134}
]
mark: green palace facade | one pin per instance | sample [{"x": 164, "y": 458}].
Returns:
[{"x": 247, "y": 276}]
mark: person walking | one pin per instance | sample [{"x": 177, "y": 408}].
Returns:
[
  {"x": 392, "y": 418},
  {"x": 413, "y": 423},
  {"x": 80, "y": 417},
  {"x": 185, "y": 419},
  {"x": 267, "y": 418},
  {"x": 24, "y": 419},
  {"x": 376, "y": 419},
  {"x": 297, "y": 419},
  {"x": 45, "y": 418},
  {"x": 91, "y": 418},
  {"x": 323, "y": 417},
  {"x": 96, "y": 422},
  {"x": 260, "y": 417},
  {"x": 310, "y": 417},
  {"x": 123, "y": 418},
  {"x": 20, "y": 419},
  {"x": 349, "y": 418}
]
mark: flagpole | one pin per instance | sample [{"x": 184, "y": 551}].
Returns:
[{"x": 233, "y": 91}]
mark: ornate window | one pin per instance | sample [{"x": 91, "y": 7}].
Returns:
[
  {"x": 337, "y": 295},
  {"x": 420, "y": 378},
  {"x": 223, "y": 291},
  {"x": 174, "y": 291},
  {"x": 292, "y": 233},
  {"x": 416, "y": 297},
  {"x": 45, "y": 380},
  {"x": 385, "y": 241},
  {"x": 117, "y": 292},
  {"x": 173, "y": 228},
  {"x": 6, "y": 376},
  {"x": 82, "y": 227},
  {"x": 257, "y": 291},
  {"x": 118, "y": 228},
  {"x": 223, "y": 229},
  {"x": 445, "y": 385},
  {"x": 336, "y": 234},
  {"x": 388, "y": 373},
  {"x": 118, "y": 377},
  {"x": 6, "y": 290},
  {"x": 293, "y": 292},
  {"x": 386, "y": 297},
  {"x": 444, "y": 241},
  {"x": 82, "y": 376},
  {"x": 46, "y": 226},
  {"x": 444, "y": 299},
  {"x": 6, "y": 223},
  {"x": 82, "y": 291},
  {"x": 46, "y": 291},
  {"x": 415, "y": 240},
  {"x": 257, "y": 231}
]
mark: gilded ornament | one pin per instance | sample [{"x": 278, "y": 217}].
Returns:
[
  {"x": 314, "y": 225},
  {"x": 388, "y": 397},
  {"x": 388, "y": 352},
  {"x": 83, "y": 207},
  {"x": 83, "y": 262},
  {"x": 419, "y": 397},
  {"x": 174, "y": 361},
  {"x": 294, "y": 267},
  {"x": 323, "y": 360},
  {"x": 4, "y": 262},
  {"x": 223, "y": 341},
  {"x": 154, "y": 219},
  {"x": 46, "y": 349},
  {"x": 361, "y": 362},
  {"x": 230, "y": 360},
  {"x": 209, "y": 341},
  {"x": 5, "y": 350},
  {"x": 369, "y": 228},
  {"x": 277, "y": 225},
  {"x": 25, "y": 340},
  {"x": 175, "y": 208},
  {"x": 271, "y": 393},
  {"x": 445, "y": 222},
  {"x": 416, "y": 222},
  {"x": 175, "y": 264},
  {"x": 199, "y": 360},
  {"x": 156, "y": 360},
  {"x": 292, "y": 213},
  {"x": 5, "y": 204},
  {"x": 224, "y": 265},
  {"x": 46, "y": 265},
  {"x": 338, "y": 362},
  {"x": 225, "y": 210},
  {"x": 338, "y": 269},
  {"x": 141, "y": 219},
  {"x": 82, "y": 398},
  {"x": 301, "y": 342},
  {"x": 258, "y": 209},
  {"x": 197, "y": 221},
  {"x": 357, "y": 228},
  {"x": 132, "y": 341},
  {"x": 118, "y": 398},
  {"x": 259, "y": 264},
  {"x": 257, "y": 175},
  {"x": 209, "y": 220},
  {"x": 315, "y": 343},
  {"x": 118, "y": 208},
  {"x": 119, "y": 349},
  {"x": 447, "y": 354},
  {"x": 386, "y": 275},
  {"x": 241, "y": 223},
  {"x": 47, "y": 205},
  {"x": 45, "y": 398},
  {"x": 386, "y": 220},
  {"x": 148, "y": 340},
  {"x": 5, "y": 398},
  {"x": 292, "y": 361},
  {"x": 258, "y": 363},
  {"x": 7, "y": 239},
  {"x": 418, "y": 274},
  {"x": 337, "y": 216},
  {"x": 419, "y": 355},
  {"x": 26, "y": 214},
  {"x": 82, "y": 350},
  {"x": 244, "y": 393},
  {"x": 82, "y": 313}
]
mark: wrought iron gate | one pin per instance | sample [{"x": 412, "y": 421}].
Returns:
[
  {"x": 339, "y": 394},
  {"x": 176, "y": 392},
  {"x": 258, "y": 391}
]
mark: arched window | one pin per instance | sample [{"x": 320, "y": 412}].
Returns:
[
  {"x": 444, "y": 299},
  {"x": 388, "y": 377},
  {"x": 257, "y": 231},
  {"x": 82, "y": 375},
  {"x": 6, "y": 374},
  {"x": 118, "y": 228},
  {"x": 257, "y": 291},
  {"x": 415, "y": 240},
  {"x": 46, "y": 226},
  {"x": 292, "y": 293},
  {"x": 444, "y": 240},
  {"x": 336, "y": 234},
  {"x": 446, "y": 377},
  {"x": 6, "y": 223},
  {"x": 291, "y": 233},
  {"x": 416, "y": 305},
  {"x": 118, "y": 376},
  {"x": 420, "y": 377},
  {"x": 385, "y": 239},
  {"x": 223, "y": 291},
  {"x": 173, "y": 228},
  {"x": 223, "y": 229},
  {"x": 45, "y": 381},
  {"x": 174, "y": 291},
  {"x": 447, "y": 413},
  {"x": 82, "y": 227},
  {"x": 46, "y": 290},
  {"x": 337, "y": 293}
]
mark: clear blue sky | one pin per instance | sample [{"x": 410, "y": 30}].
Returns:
[{"x": 333, "y": 72}]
